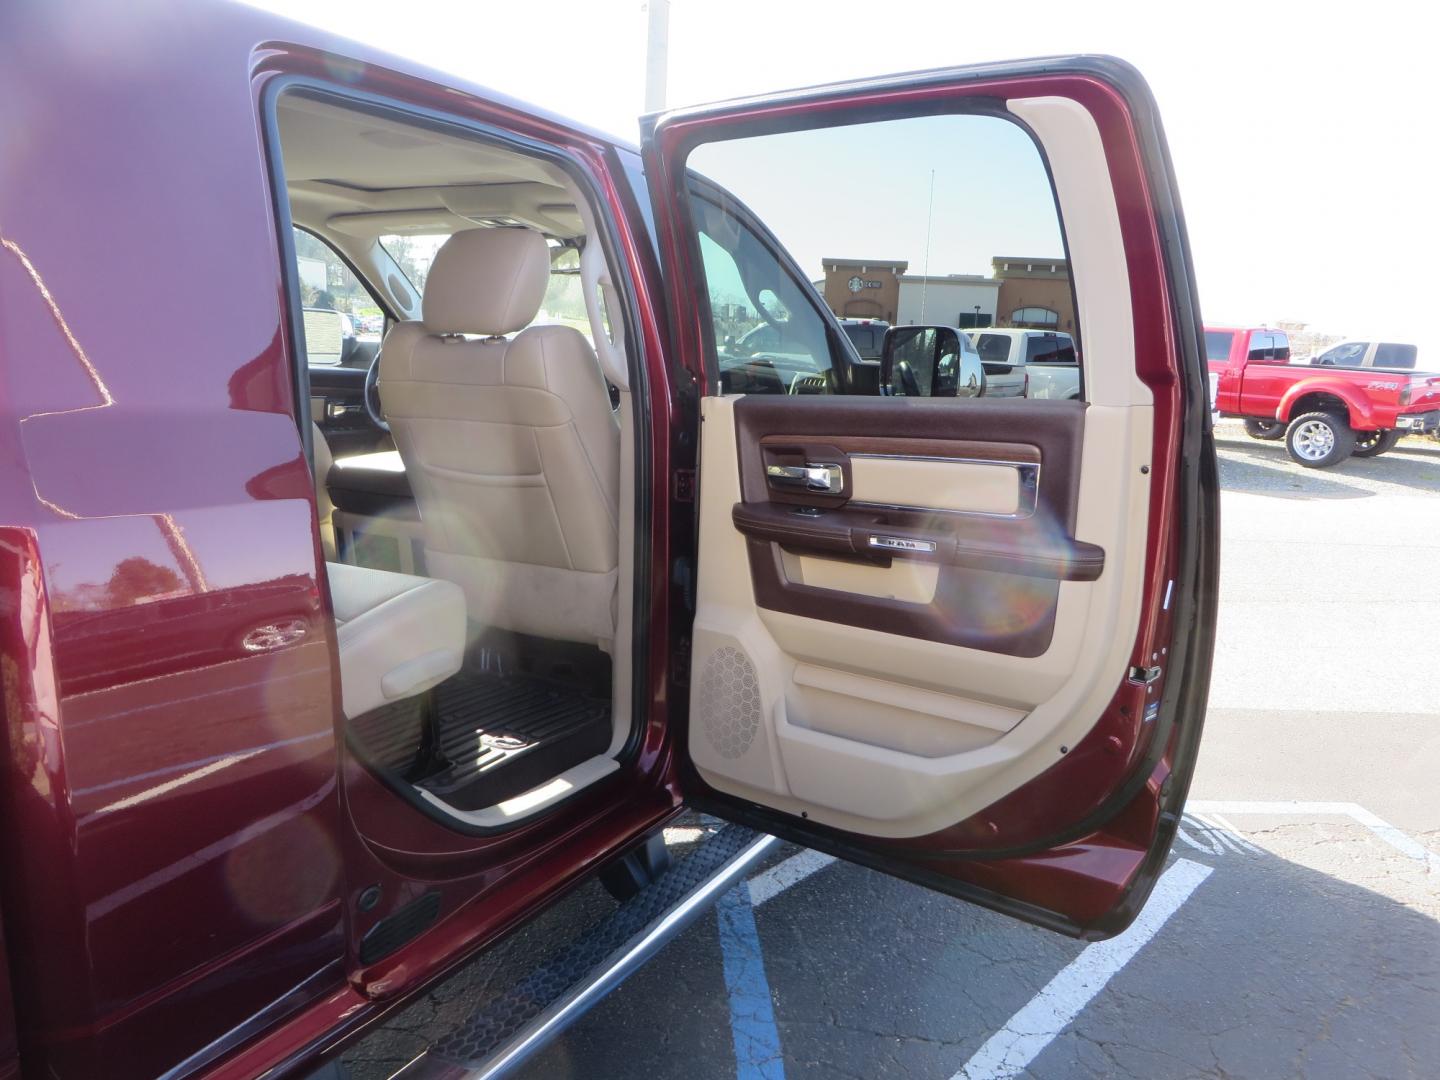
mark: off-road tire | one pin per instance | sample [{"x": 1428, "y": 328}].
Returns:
[
  {"x": 1318, "y": 440},
  {"x": 1375, "y": 443},
  {"x": 1265, "y": 430}
]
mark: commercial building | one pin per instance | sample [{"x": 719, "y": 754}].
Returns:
[
  {"x": 1021, "y": 291},
  {"x": 1034, "y": 293},
  {"x": 964, "y": 300},
  {"x": 863, "y": 288}
]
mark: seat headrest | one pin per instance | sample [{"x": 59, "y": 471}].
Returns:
[{"x": 486, "y": 281}]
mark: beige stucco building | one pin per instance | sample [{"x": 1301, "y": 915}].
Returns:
[
  {"x": 863, "y": 288},
  {"x": 1020, "y": 291},
  {"x": 1034, "y": 292}
]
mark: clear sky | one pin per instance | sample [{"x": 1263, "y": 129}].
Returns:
[
  {"x": 1303, "y": 135},
  {"x": 863, "y": 192}
]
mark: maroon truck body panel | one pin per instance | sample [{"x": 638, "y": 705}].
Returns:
[{"x": 180, "y": 856}]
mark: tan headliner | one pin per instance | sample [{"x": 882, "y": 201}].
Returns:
[{"x": 363, "y": 175}]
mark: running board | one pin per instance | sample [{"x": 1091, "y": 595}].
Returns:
[{"x": 499, "y": 1036}]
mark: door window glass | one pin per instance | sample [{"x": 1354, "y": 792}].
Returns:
[
  {"x": 769, "y": 336},
  {"x": 1262, "y": 348},
  {"x": 1217, "y": 345},
  {"x": 1349, "y": 354},
  {"x": 339, "y": 315},
  {"x": 895, "y": 221}
]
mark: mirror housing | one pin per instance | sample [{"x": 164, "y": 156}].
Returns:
[{"x": 929, "y": 361}]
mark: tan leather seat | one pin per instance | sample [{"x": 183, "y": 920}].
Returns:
[
  {"x": 398, "y": 634},
  {"x": 511, "y": 444},
  {"x": 324, "y": 505}
]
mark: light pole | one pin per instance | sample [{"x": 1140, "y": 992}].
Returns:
[{"x": 657, "y": 53}]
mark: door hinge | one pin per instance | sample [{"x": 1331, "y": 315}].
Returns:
[
  {"x": 1144, "y": 676},
  {"x": 684, "y": 485},
  {"x": 680, "y": 661}
]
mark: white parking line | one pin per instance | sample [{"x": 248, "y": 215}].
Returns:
[
  {"x": 1212, "y": 835},
  {"x": 1011, "y": 1049},
  {"x": 1391, "y": 835},
  {"x": 782, "y": 875}
]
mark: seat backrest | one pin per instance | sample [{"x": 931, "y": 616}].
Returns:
[
  {"x": 511, "y": 444},
  {"x": 324, "y": 505}
]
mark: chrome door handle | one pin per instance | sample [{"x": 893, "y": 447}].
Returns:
[{"x": 809, "y": 477}]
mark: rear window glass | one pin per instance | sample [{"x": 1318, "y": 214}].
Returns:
[
  {"x": 1217, "y": 344},
  {"x": 993, "y": 348},
  {"x": 1394, "y": 355},
  {"x": 1049, "y": 350},
  {"x": 865, "y": 338}
]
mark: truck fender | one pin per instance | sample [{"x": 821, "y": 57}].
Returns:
[{"x": 1361, "y": 413}]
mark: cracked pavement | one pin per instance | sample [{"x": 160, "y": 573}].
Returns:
[{"x": 1312, "y": 950}]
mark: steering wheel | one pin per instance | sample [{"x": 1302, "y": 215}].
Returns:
[
  {"x": 372, "y": 394},
  {"x": 907, "y": 378}
]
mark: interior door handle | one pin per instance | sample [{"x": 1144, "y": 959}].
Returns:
[{"x": 808, "y": 477}]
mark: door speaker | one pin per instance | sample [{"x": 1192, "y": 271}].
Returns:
[{"x": 729, "y": 703}]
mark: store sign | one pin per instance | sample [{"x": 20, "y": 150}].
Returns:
[{"x": 857, "y": 283}]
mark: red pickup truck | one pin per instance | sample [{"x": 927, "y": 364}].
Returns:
[
  {"x": 1324, "y": 414},
  {"x": 286, "y": 741}
]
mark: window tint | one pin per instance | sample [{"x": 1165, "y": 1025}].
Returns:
[
  {"x": 1049, "y": 349},
  {"x": 1217, "y": 344},
  {"x": 1350, "y": 354},
  {"x": 1393, "y": 355},
  {"x": 1262, "y": 347},
  {"x": 338, "y": 311},
  {"x": 1282, "y": 347}
]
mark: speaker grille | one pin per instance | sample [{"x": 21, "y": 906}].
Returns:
[{"x": 729, "y": 702}]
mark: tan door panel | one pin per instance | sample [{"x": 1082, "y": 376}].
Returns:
[
  {"x": 894, "y": 734},
  {"x": 937, "y": 484}
]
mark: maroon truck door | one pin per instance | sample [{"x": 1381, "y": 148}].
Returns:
[{"x": 962, "y": 640}]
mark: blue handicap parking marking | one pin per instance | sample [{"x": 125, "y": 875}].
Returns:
[{"x": 752, "y": 1013}]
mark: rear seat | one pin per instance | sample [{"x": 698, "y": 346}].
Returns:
[{"x": 398, "y": 634}]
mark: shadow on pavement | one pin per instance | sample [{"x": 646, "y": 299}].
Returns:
[
  {"x": 1257, "y": 470},
  {"x": 1268, "y": 969},
  {"x": 1265, "y": 469}
]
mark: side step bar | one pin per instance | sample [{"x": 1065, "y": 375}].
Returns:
[{"x": 498, "y": 1037}]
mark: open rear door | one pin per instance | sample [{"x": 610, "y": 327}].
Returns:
[{"x": 962, "y": 640}]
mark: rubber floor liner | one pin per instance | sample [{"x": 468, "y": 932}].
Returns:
[
  {"x": 391, "y": 735},
  {"x": 504, "y": 735}
]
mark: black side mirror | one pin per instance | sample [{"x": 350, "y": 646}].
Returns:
[{"x": 929, "y": 361}]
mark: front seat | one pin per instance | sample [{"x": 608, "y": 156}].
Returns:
[{"x": 510, "y": 444}]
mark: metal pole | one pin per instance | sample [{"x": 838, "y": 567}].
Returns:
[
  {"x": 657, "y": 53},
  {"x": 929, "y": 220}
]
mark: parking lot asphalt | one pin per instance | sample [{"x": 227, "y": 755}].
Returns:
[{"x": 1295, "y": 932}]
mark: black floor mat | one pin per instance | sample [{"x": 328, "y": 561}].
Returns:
[
  {"x": 504, "y": 735},
  {"x": 390, "y": 737}
]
